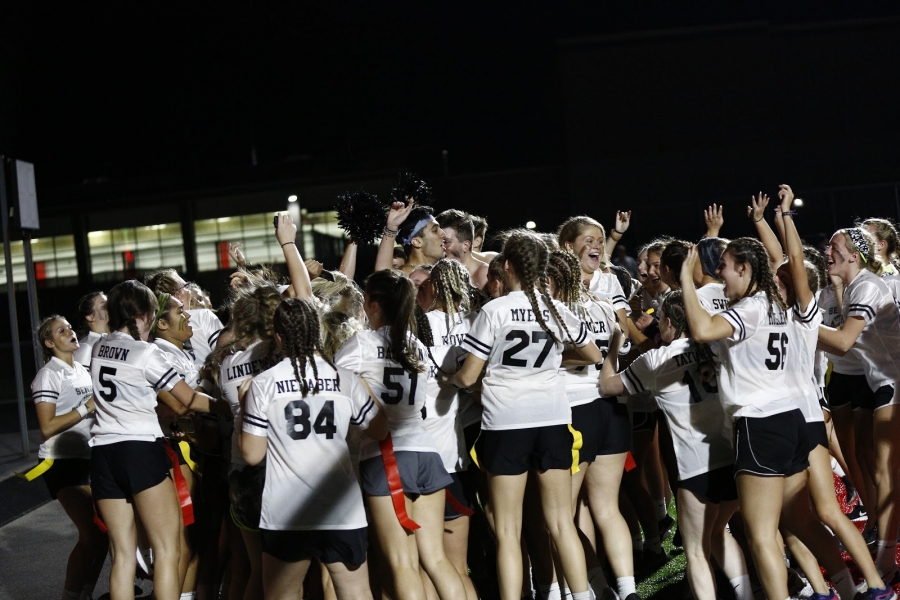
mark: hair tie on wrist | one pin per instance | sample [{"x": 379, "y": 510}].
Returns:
[
  {"x": 617, "y": 231},
  {"x": 286, "y": 243},
  {"x": 760, "y": 219},
  {"x": 789, "y": 213},
  {"x": 390, "y": 232}
]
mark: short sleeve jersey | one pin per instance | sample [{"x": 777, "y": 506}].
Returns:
[
  {"x": 85, "y": 345},
  {"x": 868, "y": 297},
  {"x": 801, "y": 360},
  {"x": 582, "y": 383},
  {"x": 207, "y": 327},
  {"x": 68, "y": 388},
  {"x": 126, "y": 376},
  {"x": 712, "y": 297},
  {"x": 310, "y": 480},
  {"x": 237, "y": 368},
  {"x": 752, "y": 378},
  {"x": 606, "y": 286},
  {"x": 522, "y": 387},
  {"x": 180, "y": 360},
  {"x": 442, "y": 401},
  {"x": 701, "y": 433},
  {"x": 401, "y": 393},
  {"x": 832, "y": 317}
]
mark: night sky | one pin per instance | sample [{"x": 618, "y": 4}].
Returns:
[{"x": 95, "y": 97}]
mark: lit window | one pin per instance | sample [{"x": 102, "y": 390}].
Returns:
[
  {"x": 136, "y": 249},
  {"x": 53, "y": 258}
]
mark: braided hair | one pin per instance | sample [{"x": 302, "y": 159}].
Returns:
[
  {"x": 817, "y": 260},
  {"x": 751, "y": 252},
  {"x": 252, "y": 315},
  {"x": 885, "y": 231},
  {"x": 564, "y": 269},
  {"x": 527, "y": 256},
  {"x": 673, "y": 308},
  {"x": 396, "y": 296},
  {"x": 126, "y": 302},
  {"x": 672, "y": 257},
  {"x": 44, "y": 333},
  {"x": 296, "y": 321},
  {"x": 453, "y": 290}
]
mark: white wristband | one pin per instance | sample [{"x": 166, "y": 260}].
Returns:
[{"x": 82, "y": 411}]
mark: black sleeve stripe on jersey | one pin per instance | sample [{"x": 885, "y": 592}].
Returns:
[
  {"x": 211, "y": 340},
  {"x": 364, "y": 411},
  {"x": 862, "y": 308},
  {"x": 45, "y": 394},
  {"x": 165, "y": 379},
  {"x": 811, "y": 310},
  {"x": 582, "y": 333},
  {"x": 635, "y": 382},
  {"x": 477, "y": 344},
  {"x": 619, "y": 298},
  {"x": 256, "y": 421},
  {"x": 740, "y": 322}
]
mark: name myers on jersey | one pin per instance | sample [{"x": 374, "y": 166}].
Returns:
[
  {"x": 113, "y": 353},
  {"x": 245, "y": 370},
  {"x": 289, "y": 386},
  {"x": 526, "y": 314}
]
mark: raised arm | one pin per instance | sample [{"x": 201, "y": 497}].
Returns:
[
  {"x": 623, "y": 222},
  {"x": 395, "y": 218},
  {"x": 712, "y": 215},
  {"x": 794, "y": 248},
  {"x": 348, "y": 262},
  {"x": 704, "y": 328},
  {"x": 757, "y": 213},
  {"x": 286, "y": 234}
]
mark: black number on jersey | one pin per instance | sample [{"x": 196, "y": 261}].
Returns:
[
  {"x": 509, "y": 354},
  {"x": 107, "y": 389},
  {"x": 323, "y": 425},
  {"x": 777, "y": 351},
  {"x": 394, "y": 392},
  {"x": 603, "y": 345}
]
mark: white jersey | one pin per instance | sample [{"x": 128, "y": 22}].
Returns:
[
  {"x": 207, "y": 327},
  {"x": 85, "y": 345},
  {"x": 712, "y": 297},
  {"x": 701, "y": 433},
  {"x": 310, "y": 480},
  {"x": 868, "y": 297},
  {"x": 522, "y": 387},
  {"x": 68, "y": 388},
  {"x": 752, "y": 377},
  {"x": 401, "y": 393},
  {"x": 848, "y": 364},
  {"x": 469, "y": 401},
  {"x": 127, "y": 374},
  {"x": 582, "y": 383},
  {"x": 181, "y": 361},
  {"x": 237, "y": 368},
  {"x": 606, "y": 286},
  {"x": 801, "y": 360}
]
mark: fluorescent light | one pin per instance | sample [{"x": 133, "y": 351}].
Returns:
[
  {"x": 95, "y": 233},
  {"x": 223, "y": 219},
  {"x": 292, "y": 198}
]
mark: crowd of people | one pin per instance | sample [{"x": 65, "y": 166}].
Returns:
[{"x": 473, "y": 424}]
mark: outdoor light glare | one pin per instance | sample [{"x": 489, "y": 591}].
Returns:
[
  {"x": 292, "y": 198},
  {"x": 798, "y": 202},
  {"x": 530, "y": 225}
]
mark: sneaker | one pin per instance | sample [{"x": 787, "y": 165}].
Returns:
[
  {"x": 885, "y": 593},
  {"x": 832, "y": 595},
  {"x": 144, "y": 561},
  {"x": 665, "y": 526}
]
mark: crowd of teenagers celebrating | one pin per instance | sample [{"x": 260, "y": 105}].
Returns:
[{"x": 470, "y": 424}]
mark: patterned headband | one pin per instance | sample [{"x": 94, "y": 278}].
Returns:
[
  {"x": 419, "y": 226},
  {"x": 859, "y": 240}
]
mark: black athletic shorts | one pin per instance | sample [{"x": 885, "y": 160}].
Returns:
[
  {"x": 777, "y": 445},
  {"x": 849, "y": 389},
  {"x": 644, "y": 421},
  {"x": 67, "y": 472},
  {"x": 245, "y": 490},
  {"x": 457, "y": 490},
  {"x": 714, "y": 486},
  {"x": 420, "y": 473},
  {"x": 818, "y": 435},
  {"x": 614, "y": 434},
  {"x": 515, "y": 451},
  {"x": 123, "y": 469},
  {"x": 347, "y": 546},
  {"x": 586, "y": 420}
]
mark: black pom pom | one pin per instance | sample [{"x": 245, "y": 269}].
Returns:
[
  {"x": 361, "y": 215},
  {"x": 409, "y": 185}
]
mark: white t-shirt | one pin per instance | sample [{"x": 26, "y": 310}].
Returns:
[
  {"x": 867, "y": 296},
  {"x": 68, "y": 388},
  {"x": 310, "y": 480},
  {"x": 181, "y": 360},
  {"x": 801, "y": 360},
  {"x": 207, "y": 327},
  {"x": 401, "y": 393},
  {"x": 522, "y": 387},
  {"x": 701, "y": 432},
  {"x": 582, "y": 383},
  {"x": 442, "y": 401},
  {"x": 237, "y": 368},
  {"x": 752, "y": 378},
  {"x": 606, "y": 286},
  {"x": 127, "y": 374},
  {"x": 85, "y": 345},
  {"x": 849, "y": 363}
]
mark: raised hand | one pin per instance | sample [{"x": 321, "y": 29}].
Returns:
[
  {"x": 786, "y": 195},
  {"x": 286, "y": 232},
  {"x": 757, "y": 209},
  {"x": 623, "y": 220},
  {"x": 398, "y": 214},
  {"x": 712, "y": 215},
  {"x": 687, "y": 267},
  {"x": 234, "y": 251}
]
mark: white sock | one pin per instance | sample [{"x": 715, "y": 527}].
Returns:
[
  {"x": 742, "y": 588},
  {"x": 843, "y": 583},
  {"x": 597, "y": 580},
  {"x": 188, "y": 596},
  {"x": 550, "y": 592},
  {"x": 886, "y": 559},
  {"x": 637, "y": 543},
  {"x": 581, "y": 595},
  {"x": 653, "y": 545},
  {"x": 836, "y": 468},
  {"x": 661, "y": 510},
  {"x": 626, "y": 586}
]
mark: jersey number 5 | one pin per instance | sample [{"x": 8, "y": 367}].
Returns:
[
  {"x": 323, "y": 425},
  {"x": 777, "y": 351},
  {"x": 107, "y": 389}
]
